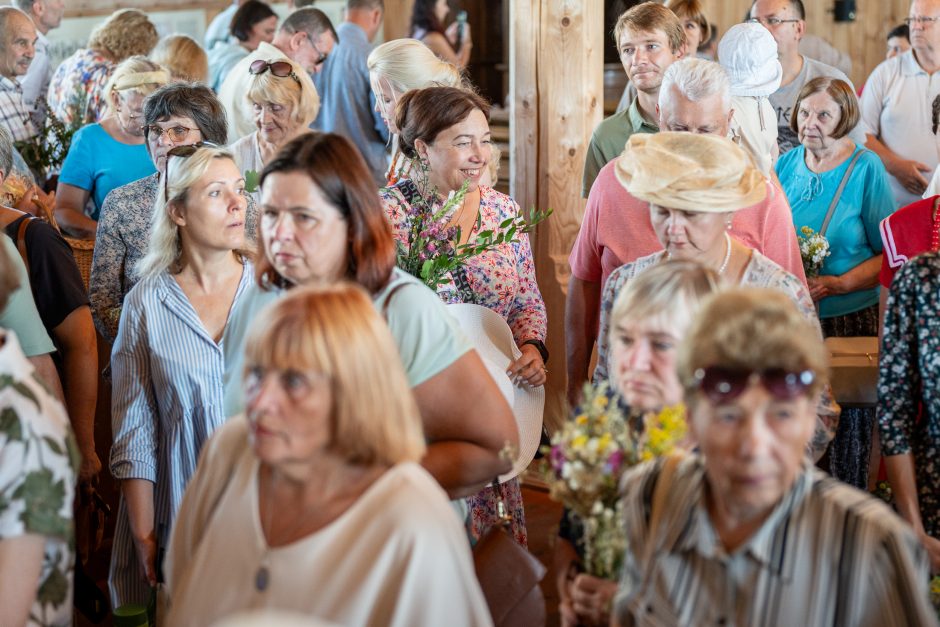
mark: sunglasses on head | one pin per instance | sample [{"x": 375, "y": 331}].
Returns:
[
  {"x": 722, "y": 385},
  {"x": 281, "y": 69},
  {"x": 182, "y": 152}
]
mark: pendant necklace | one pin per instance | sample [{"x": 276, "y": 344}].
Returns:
[{"x": 263, "y": 574}]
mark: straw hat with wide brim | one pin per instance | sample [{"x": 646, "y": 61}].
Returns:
[
  {"x": 691, "y": 172},
  {"x": 492, "y": 338}
]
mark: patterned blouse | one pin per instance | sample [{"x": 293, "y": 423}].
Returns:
[
  {"x": 502, "y": 279},
  {"x": 909, "y": 368},
  {"x": 38, "y": 468},
  {"x": 77, "y": 87}
]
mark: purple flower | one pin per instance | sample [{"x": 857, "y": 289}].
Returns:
[
  {"x": 432, "y": 248},
  {"x": 557, "y": 457},
  {"x": 614, "y": 461}
]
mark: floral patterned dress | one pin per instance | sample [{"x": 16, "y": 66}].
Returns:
[
  {"x": 502, "y": 279},
  {"x": 77, "y": 87},
  {"x": 909, "y": 368},
  {"x": 38, "y": 465}
]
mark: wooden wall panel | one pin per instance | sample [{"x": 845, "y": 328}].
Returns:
[{"x": 863, "y": 39}]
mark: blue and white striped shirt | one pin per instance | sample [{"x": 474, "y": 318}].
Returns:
[{"x": 166, "y": 402}]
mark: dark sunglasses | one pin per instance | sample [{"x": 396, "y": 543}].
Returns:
[
  {"x": 182, "y": 152},
  {"x": 722, "y": 385},
  {"x": 281, "y": 69}
]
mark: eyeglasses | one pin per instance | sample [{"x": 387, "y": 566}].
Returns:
[
  {"x": 281, "y": 69},
  {"x": 770, "y": 21},
  {"x": 920, "y": 19},
  {"x": 722, "y": 385},
  {"x": 322, "y": 56},
  {"x": 183, "y": 152},
  {"x": 174, "y": 133}
]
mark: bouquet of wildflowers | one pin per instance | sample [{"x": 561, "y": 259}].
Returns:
[
  {"x": 433, "y": 249},
  {"x": 935, "y": 593},
  {"x": 814, "y": 248},
  {"x": 586, "y": 459}
]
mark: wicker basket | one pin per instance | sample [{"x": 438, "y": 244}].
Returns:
[{"x": 83, "y": 250}]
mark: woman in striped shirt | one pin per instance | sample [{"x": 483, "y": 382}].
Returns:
[{"x": 167, "y": 361}]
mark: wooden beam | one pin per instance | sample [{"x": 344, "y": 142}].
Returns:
[
  {"x": 397, "y": 22},
  {"x": 556, "y": 61}
]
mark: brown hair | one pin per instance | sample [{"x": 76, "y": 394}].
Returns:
[
  {"x": 182, "y": 55},
  {"x": 691, "y": 10},
  {"x": 424, "y": 113},
  {"x": 649, "y": 17},
  {"x": 125, "y": 33},
  {"x": 9, "y": 277},
  {"x": 843, "y": 96},
  {"x": 751, "y": 329},
  {"x": 337, "y": 168},
  {"x": 335, "y": 331}
]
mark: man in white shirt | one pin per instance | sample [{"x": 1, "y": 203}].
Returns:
[
  {"x": 46, "y": 15},
  {"x": 306, "y": 37},
  {"x": 896, "y": 106},
  {"x": 17, "y": 46},
  {"x": 784, "y": 20}
]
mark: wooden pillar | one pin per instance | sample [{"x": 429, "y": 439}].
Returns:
[
  {"x": 397, "y": 20},
  {"x": 556, "y": 81}
]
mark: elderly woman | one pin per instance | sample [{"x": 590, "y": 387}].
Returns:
[
  {"x": 111, "y": 153},
  {"x": 37, "y": 484},
  {"x": 694, "y": 184},
  {"x": 649, "y": 320},
  {"x": 183, "y": 58},
  {"x": 350, "y": 528},
  {"x": 254, "y": 22},
  {"x": 76, "y": 90},
  {"x": 194, "y": 272},
  {"x": 284, "y": 102},
  {"x": 322, "y": 223},
  {"x": 427, "y": 25},
  {"x": 909, "y": 403},
  {"x": 175, "y": 115},
  {"x": 840, "y": 190},
  {"x": 747, "y": 531},
  {"x": 447, "y": 129},
  {"x": 398, "y": 66}
]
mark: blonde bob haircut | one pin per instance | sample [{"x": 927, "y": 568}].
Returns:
[
  {"x": 401, "y": 65},
  {"x": 647, "y": 18},
  {"x": 667, "y": 296},
  {"x": 127, "y": 79},
  {"x": 183, "y": 57},
  {"x": 302, "y": 98},
  {"x": 335, "y": 331},
  {"x": 164, "y": 248},
  {"x": 751, "y": 329},
  {"x": 126, "y": 32}
]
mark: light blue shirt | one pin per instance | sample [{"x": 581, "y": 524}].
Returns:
[
  {"x": 853, "y": 231},
  {"x": 98, "y": 163},
  {"x": 222, "y": 59},
  {"x": 347, "y": 104}
]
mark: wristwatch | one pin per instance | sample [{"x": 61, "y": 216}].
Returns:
[{"x": 540, "y": 347}]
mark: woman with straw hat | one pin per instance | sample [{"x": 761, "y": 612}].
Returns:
[{"x": 694, "y": 184}]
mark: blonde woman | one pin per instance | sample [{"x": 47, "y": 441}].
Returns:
[
  {"x": 77, "y": 86},
  {"x": 320, "y": 485},
  {"x": 284, "y": 103},
  {"x": 183, "y": 58},
  {"x": 167, "y": 360},
  {"x": 111, "y": 153}
]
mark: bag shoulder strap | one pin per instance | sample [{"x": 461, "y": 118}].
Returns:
[
  {"x": 388, "y": 298},
  {"x": 838, "y": 194},
  {"x": 664, "y": 483},
  {"x": 21, "y": 241}
]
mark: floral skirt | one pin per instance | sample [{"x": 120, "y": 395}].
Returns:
[
  {"x": 483, "y": 511},
  {"x": 850, "y": 450}
]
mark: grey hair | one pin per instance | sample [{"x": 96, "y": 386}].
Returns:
[
  {"x": 26, "y": 6},
  {"x": 6, "y": 151},
  {"x": 696, "y": 79}
]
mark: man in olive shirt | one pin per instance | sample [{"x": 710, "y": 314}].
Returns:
[{"x": 649, "y": 39}]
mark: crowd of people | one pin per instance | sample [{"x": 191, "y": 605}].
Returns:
[{"x": 299, "y": 424}]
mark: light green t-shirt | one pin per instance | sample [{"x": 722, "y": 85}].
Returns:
[
  {"x": 20, "y": 314},
  {"x": 429, "y": 339},
  {"x": 609, "y": 139}
]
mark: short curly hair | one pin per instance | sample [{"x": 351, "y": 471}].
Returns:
[{"x": 126, "y": 32}]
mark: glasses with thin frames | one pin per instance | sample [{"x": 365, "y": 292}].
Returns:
[
  {"x": 722, "y": 385},
  {"x": 321, "y": 56},
  {"x": 771, "y": 21},
  {"x": 174, "y": 133},
  {"x": 281, "y": 69},
  {"x": 921, "y": 20}
]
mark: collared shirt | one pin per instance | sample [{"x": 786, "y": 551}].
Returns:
[
  {"x": 13, "y": 111},
  {"x": 347, "y": 104},
  {"x": 896, "y": 108},
  {"x": 36, "y": 82},
  {"x": 218, "y": 30},
  {"x": 609, "y": 139},
  {"x": 828, "y": 554}
]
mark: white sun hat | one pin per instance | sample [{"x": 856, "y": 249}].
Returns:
[
  {"x": 748, "y": 52},
  {"x": 492, "y": 338}
]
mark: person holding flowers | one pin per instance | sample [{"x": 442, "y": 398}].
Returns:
[
  {"x": 649, "y": 319},
  {"x": 447, "y": 131}
]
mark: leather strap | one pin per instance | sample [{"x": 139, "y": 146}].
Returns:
[{"x": 838, "y": 194}]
